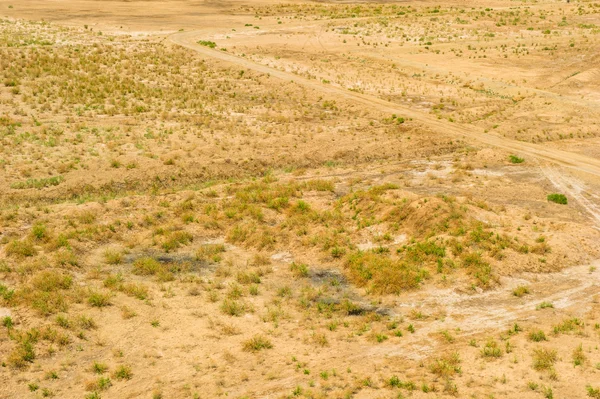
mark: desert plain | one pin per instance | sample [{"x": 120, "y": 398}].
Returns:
[{"x": 299, "y": 199}]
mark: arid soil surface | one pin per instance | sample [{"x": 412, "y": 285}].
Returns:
[{"x": 323, "y": 199}]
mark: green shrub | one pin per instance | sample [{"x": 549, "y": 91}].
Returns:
[
  {"x": 20, "y": 248},
  {"x": 299, "y": 269},
  {"x": 210, "y": 252},
  {"x": 592, "y": 392},
  {"x": 50, "y": 281},
  {"x": 38, "y": 183},
  {"x": 257, "y": 343},
  {"x": 233, "y": 308},
  {"x": 207, "y": 43},
  {"x": 516, "y": 159},
  {"x": 113, "y": 257},
  {"x": 544, "y": 359},
  {"x": 537, "y": 336},
  {"x": 146, "y": 266},
  {"x": 382, "y": 274},
  {"x": 568, "y": 325},
  {"x": 446, "y": 366},
  {"x": 520, "y": 291},
  {"x": 7, "y": 321},
  {"x": 558, "y": 198},
  {"x": 491, "y": 349},
  {"x": 99, "y": 299},
  {"x": 123, "y": 373},
  {"x": 176, "y": 240},
  {"x": 38, "y": 231},
  {"x": 21, "y": 356}
]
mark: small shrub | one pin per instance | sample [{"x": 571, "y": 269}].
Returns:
[
  {"x": 544, "y": 359},
  {"x": 20, "y": 248},
  {"x": 22, "y": 355},
  {"x": 176, "y": 240},
  {"x": 557, "y": 198},
  {"x": 99, "y": 299},
  {"x": 248, "y": 278},
  {"x": 299, "y": 270},
  {"x": 515, "y": 159},
  {"x": 233, "y": 308},
  {"x": 7, "y": 321},
  {"x": 146, "y": 266},
  {"x": 520, "y": 291},
  {"x": 210, "y": 252},
  {"x": 578, "y": 356},
  {"x": 544, "y": 305},
  {"x": 207, "y": 43},
  {"x": 51, "y": 281},
  {"x": 38, "y": 183},
  {"x": 568, "y": 325},
  {"x": 123, "y": 373},
  {"x": 537, "y": 336},
  {"x": 99, "y": 368},
  {"x": 38, "y": 232},
  {"x": 113, "y": 257},
  {"x": 86, "y": 323},
  {"x": 491, "y": 350},
  {"x": 63, "y": 322},
  {"x": 592, "y": 392},
  {"x": 446, "y": 366},
  {"x": 257, "y": 343}
]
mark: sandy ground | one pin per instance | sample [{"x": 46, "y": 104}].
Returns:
[{"x": 257, "y": 153}]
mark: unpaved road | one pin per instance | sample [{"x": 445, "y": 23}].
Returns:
[{"x": 563, "y": 158}]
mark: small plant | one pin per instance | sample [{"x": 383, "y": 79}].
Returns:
[
  {"x": 547, "y": 392},
  {"x": 491, "y": 349},
  {"x": 567, "y": 326},
  {"x": 257, "y": 343},
  {"x": 380, "y": 337},
  {"x": 210, "y": 252},
  {"x": 299, "y": 270},
  {"x": 87, "y": 323},
  {"x": 521, "y": 291},
  {"x": 515, "y": 159},
  {"x": 544, "y": 359},
  {"x": 146, "y": 266},
  {"x": 123, "y": 373},
  {"x": 23, "y": 248},
  {"x": 557, "y": 198},
  {"x": 113, "y": 257},
  {"x": 63, "y": 322},
  {"x": 38, "y": 183},
  {"x": 578, "y": 356},
  {"x": 537, "y": 336},
  {"x": 233, "y": 308},
  {"x": 99, "y": 368},
  {"x": 207, "y": 43},
  {"x": 99, "y": 299},
  {"x": 544, "y": 305},
  {"x": 38, "y": 232},
  {"x": 592, "y": 392},
  {"x": 7, "y": 321},
  {"x": 446, "y": 366}
]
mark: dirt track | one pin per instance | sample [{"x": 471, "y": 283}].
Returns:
[{"x": 563, "y": 158}]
